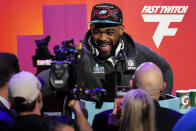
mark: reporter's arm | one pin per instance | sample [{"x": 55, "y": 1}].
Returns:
[
  {"x": 80, "y": 118},
  {"x": 113, "y": 120}
]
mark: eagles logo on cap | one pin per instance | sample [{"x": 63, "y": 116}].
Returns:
[
  {"x": 103, "y": 12},
  {"x": 106, "y": 13}
]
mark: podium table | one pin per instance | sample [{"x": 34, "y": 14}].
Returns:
[{"x": 173, "y": 104}]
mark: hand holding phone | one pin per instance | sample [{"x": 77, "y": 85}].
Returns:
[
  {"x": 114, "y": 117},
  {"x": 121, "y": 91}
]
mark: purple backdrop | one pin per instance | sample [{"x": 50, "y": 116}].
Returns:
[{"x": 61, "y": 22}]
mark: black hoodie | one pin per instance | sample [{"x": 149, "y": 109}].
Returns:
[{"x": 93, "y": 73}]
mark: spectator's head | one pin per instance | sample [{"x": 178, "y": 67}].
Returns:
[
  {"x": 137, "y": 111},
  {"x": 149, "y": 78},
  {"x": 60, "y": 123},
  {"x": 6, "y": 71},
  {"x": 11, "y": 59},
  {"x": 24, "y": 90},
  {"x": 106, "y": 28},
  {"x": 8, "y": 66}
]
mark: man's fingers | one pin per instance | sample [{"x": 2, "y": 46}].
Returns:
[{"x": 71, "y": 103}]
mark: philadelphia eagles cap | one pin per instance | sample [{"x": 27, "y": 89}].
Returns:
[{"x": 106, "y": 13}]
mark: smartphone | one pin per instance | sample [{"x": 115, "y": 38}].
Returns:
[{"x": 121, "y": 91}]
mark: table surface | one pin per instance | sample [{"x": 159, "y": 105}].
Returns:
[{"x": 173, "y": 104}]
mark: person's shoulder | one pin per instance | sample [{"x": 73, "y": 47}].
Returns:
[
  {"x": 30, "y": 123},
  {"x": 190, "y": 115},
  {"x": 4, "y": 116},
  {"x": 170, "y": 113},
  {"x": 192, "y": 112},
  {"x": 132, "y": 45},
  {"x": 44, "y": 73},
  {"x": 103, "y": 114},
  {"x": 145, "y": 53},
  {"x": 142, "y": 48},
  {"x": 100, "y": 120},
  {"x": 138, "y": 46},
  {"x": 37, "y": 120},
  {"x": 186, "y": 122}
]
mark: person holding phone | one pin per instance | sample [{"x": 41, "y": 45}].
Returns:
[{"x": 137, "y": 113}]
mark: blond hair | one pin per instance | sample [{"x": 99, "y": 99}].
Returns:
[{"x": 137, "y": 112}]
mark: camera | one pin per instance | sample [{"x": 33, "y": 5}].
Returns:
[
  {"x": 59, "y": 75},
  {"x": 66, "y": 52},
  {"x": 96, "y": 95},
  {"x": 62, "y": 77},
  {"x": 62, "y": 80},
  {"x": 43, "y": 55}
]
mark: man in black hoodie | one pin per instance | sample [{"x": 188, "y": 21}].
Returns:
[{"x": 110, "y": 56}]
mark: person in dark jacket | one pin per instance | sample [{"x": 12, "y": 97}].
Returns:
[
  {"x": 8, "y": 66},
  {"x": 25, "y": 94},
  {"x": 110, "y": 56},
  {"x": 24, "y": 91}
]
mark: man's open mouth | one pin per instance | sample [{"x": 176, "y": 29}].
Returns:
[{"x": 105, "y": 47}]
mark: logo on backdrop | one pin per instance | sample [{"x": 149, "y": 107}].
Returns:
[{"x": 164, "y": 15}]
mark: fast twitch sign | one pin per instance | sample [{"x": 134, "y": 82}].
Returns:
[{"x": 164, "y": 15}]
